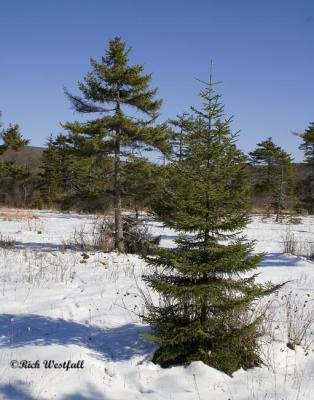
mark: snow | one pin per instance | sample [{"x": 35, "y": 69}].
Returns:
[{"x": 56, "y": 307}]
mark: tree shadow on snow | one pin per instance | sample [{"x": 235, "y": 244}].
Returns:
[
  {"x": 279, "y": 260},
  {"x": 20, "y": 390},
  {"x": 15, "y": 391},
  {"x": 37, "y": 246},
  {"x": 117, "y": 344},
  {"x": 48, "y": 247}
]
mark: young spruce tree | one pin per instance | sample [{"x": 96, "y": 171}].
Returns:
[
  {"x": 206, "y": 297},
  {"x": 112, "y": 88}
]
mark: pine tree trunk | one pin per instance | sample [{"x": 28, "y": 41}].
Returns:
[
  {"x": 119, "y": 243},
  {"x": 280, "y": 197},
  {"x": 25, "y": 194},
  {"x": 268, "y": 201}
]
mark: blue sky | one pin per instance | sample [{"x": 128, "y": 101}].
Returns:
[{"x": 262, "y": 51}]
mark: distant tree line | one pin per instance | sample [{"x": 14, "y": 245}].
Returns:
[{"x": 72, "y": 178}]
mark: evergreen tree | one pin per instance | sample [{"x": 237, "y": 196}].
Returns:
[
  {"x": 178, "y": 136},
  {"x": 307, "y": 146},
  {"x": 109, "y": 90},
  {"x": 274, "y": 172},
  {"x": 141, "y": 180},
  {"x": 12, "y": 139},
  {"x": 52, "y": 164},
  {"x": 15, "y": 181},
  {"x": 205, "y": 296},
  {"x": 13, "y": 175},
  {"x": 71, "y": 179}
]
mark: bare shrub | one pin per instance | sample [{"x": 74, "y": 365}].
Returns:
[
  {"x": 297, "y": 248},
  {"x": 103, "y": 234},
  {"x": 306, "y": 249},
  {"x": 33, "y": 225},
  {"x": 100, "y": 237},
  {"x": 300, "y": 320},
  {"x": 137, "y": 238},
  {"x": 295, "y": 220},
  {"x": 6, "y": 242},
  {"x": 289, "y": 243}
]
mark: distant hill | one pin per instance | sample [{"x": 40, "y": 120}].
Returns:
[{"x": 29, "y": 156}]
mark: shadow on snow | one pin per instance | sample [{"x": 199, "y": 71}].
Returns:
[
  {"x": 116, "y": 344},
  {"x": 37, "y": 246},
  {"x": 279, "y": 260},
  {"x": 20, "y": 390}
]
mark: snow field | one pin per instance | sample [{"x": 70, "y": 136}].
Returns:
[{"x": 56, "y": 305}]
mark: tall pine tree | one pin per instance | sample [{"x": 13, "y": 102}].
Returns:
[
  {"x": 205, "y": 295},
  {"x": 307, "y": 146},
  {"x": 112, "y": 88}
]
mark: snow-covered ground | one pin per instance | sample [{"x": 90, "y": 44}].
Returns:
[{"x": 56, "y": 305}]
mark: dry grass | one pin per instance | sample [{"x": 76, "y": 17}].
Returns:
[
  {"x": 291, "y": 245},
  {"x": 99, "y": 237},
  {"x": 17, "y": 215},
  {"x": 300, "y": 320}
]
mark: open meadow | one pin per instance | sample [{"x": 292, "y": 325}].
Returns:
[{"x": 62, "y": 304}]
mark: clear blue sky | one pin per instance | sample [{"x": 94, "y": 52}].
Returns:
[{"x": 262, "y": 51}]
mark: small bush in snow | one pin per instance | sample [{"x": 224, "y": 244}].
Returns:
[
  {"x": 6, "y": 242},
  {"x": 137, "y": 238},
  {"x": 100, "y": 237},
  {"x": 289, "y": 243},
  {"x": 300, "y": 320}
]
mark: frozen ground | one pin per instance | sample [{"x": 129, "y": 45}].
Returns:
[{"x": 57, "y": 306}]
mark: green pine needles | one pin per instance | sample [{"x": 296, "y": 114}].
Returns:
[
  {"x": 204, "y": 282},
  {"x": 307, "y": 187},
  {"x": 119, "y": 94}
]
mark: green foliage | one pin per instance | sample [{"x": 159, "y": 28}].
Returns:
[
  {"x": 178, "y": 136},
  {"x": 205, "y": 295},
  {"x": 12, "y": 172},
  {"x": 115, "y": 83},
  {"x": 307, "y": 185},
  {"x": 15, "y": 179},
  {"x": 274, "y": 172},
  {"x": 308, "y": 144},
  {"x": 141, "y": 181},
  {"x": 12, "y": 138},
  {"x": 71, "y": 179},
  {"x": 119, "y": 94}
]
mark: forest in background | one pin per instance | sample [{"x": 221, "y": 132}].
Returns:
[{"x": 28, "y": 190}]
